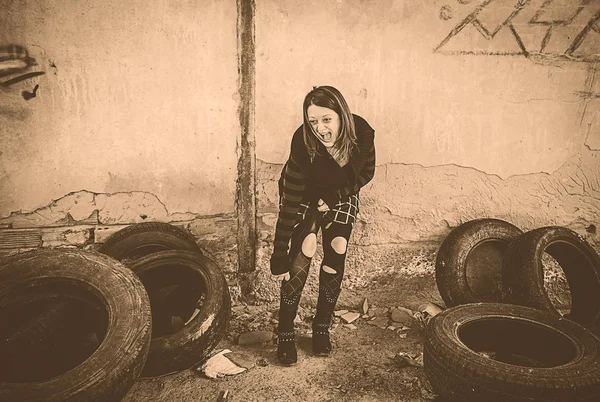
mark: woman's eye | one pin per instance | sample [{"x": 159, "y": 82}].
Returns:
[
  {"x": 326, "y": 120},
  {"x": 313, "y": 122}
]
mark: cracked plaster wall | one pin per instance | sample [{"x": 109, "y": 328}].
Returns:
[
  {"x": 133, "y": 96},
  {"x": 469, "y": 130},
  {"x": 467, "y": 126}
]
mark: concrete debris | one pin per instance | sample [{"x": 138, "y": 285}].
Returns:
[
  {"x": 350, "y": 317},
  {"x": 402, "y": 360},
  {"x": 400, "y": 316},
  {"x": 430, "y": 309},
  {"x": 391, "y": 328},
  {"x": 365, "y": 306},
  {"x": 339, "y": 313},
  {"x": 426, "y": 312},
  {"x": 378, "y": 311},
  {"x": 223, "y": 396},
  {"x": 421, "y": 319},
  {"x": 381, "y": 322},
  {"x": 350, "y": 326},
  {"x": 219, "y": 366},
  {"x": 406, "y": 310},
  {"x": 253, "y": 337}
]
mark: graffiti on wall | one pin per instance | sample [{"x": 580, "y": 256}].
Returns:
[
  {"x": 538, "y": 29},
  {"x": 16, "y": 66}
]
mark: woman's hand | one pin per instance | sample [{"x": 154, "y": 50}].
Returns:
[
  {"x": 282, "y": 277},
  {"x": 322, "y": 207}
]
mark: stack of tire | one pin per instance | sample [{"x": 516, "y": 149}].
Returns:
[
  {"x": 501, "y": 337},
  {"x": 83, "y": 325}
]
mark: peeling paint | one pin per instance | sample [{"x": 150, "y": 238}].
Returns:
[
  {"x": 85, "y": 207},
  {"x": 413, "y": 203}
]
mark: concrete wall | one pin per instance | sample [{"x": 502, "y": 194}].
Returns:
[
  {"x": 135, "y": 96},
  {"x": 481, "y": 108},
  {"x": 478, "y": 111}
]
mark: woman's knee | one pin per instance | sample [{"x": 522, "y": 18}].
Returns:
[
  {"x": 309, "y": 245},
  {"x": 339, "y": 244}
]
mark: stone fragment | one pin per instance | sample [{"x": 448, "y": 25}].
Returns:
[
  {"x": 339, "y": 313},
  {"x": 381, "y": 322},
  {"x": 382, "y": 311},
  {"x": 252, "y": 337},
  {"x": 430, "y": 309},
  {"x": 406, "y": 310},
  {"x": 350, "y": 317},
  {"x": 400, "y": 316},
  {"x": 350, "y": 326},
  {"x": 365, "y": 306}
]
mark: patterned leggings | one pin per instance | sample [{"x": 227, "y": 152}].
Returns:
[{"x": 303, "y": 246}]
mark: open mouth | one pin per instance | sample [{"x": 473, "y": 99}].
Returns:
[{"x": 325, "y": 137}]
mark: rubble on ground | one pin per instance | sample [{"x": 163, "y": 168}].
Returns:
[{"x": 258, "y": 324}]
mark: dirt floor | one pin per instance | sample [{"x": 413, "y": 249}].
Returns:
[{"x": 369, "y": 363}]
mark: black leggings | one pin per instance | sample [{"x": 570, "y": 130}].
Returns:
[{"x": 303, "y": 246}]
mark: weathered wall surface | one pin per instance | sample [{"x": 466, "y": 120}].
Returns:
[
  {"x": 478, "y": 110},
  {"x": 481, "y": 108},
  {"x": 480, "y": 85},
  {"x": 134, "y": 96}
]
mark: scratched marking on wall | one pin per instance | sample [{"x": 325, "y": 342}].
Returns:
[
  {"x": 537, "y": 29},
  {"x": 16, "y": 65}
]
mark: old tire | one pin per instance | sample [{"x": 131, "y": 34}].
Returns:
[
  {"x": 464, "y": 256},
  {"x": 509, "y": 353},
  {"x": 144, "y": 238},
  {"x": 109, "y": 372},
  {"x": 524, "y": 273},
  {"x": 207, "y": 324},
  {"x": 53, "y": 331}
]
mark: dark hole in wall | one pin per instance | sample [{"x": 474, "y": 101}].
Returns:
[{"x": 591, "y": 229}]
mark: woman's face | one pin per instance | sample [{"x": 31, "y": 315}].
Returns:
[{"x": 325, "y": 123}]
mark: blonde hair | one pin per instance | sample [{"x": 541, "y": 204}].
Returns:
[{"x": 331, "y": 98}]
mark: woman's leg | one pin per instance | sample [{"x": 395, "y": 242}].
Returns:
[
  {"x": 335, "y": 243},
  {"x": 303, "y": 247}
]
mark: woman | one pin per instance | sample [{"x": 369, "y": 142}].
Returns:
[{"x": 332, "y": 156}]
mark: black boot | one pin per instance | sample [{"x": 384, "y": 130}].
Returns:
[
  {"x": 286, "y": 340},
  {"x": 325, "y": 306},
  {"x": 286, "y": 348},
  {"x": 320, "y": 340}
]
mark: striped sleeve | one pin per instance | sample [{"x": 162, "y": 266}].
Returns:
[
  {"x": 362, "y": 164},
  {"x": 291, "y": 193}
]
